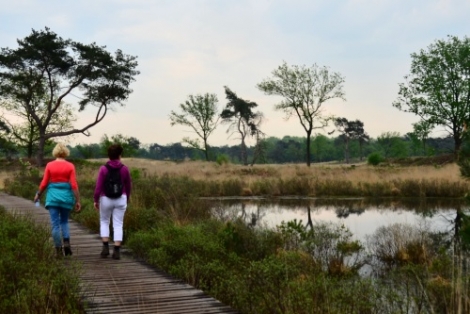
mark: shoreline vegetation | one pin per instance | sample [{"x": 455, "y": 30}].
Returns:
[{"x": 315, "y": 270}]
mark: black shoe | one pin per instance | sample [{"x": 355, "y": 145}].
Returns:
[
  {"x": 67, "y": 248},
  {"x": 116, "y": 253},
  {"x": 105, "y": 251}
]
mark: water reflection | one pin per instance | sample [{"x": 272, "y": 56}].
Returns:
[{"x": 361, "y": 215}]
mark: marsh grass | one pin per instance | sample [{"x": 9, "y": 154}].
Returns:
[
  {"x": 32, "y": 280},
  {"x": 200, "y": 170},
  {"x": 290, "y": 270},
  {"x": 209, "y": 179},
  {"x": 336, "y": 180}
]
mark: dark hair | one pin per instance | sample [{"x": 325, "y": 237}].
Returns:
[{"x": 114, "y": 151}]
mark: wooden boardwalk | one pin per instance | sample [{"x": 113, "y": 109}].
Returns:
[{"x": 125, "y": 285}]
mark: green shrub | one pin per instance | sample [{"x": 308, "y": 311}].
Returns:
[
  {"x": 222, "y": 159},
  {"x": 32, "y": 279},
  {"x": 374, "y": 159},
  {"x": 136, "y": 174}
]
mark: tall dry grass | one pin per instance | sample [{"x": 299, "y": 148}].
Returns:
[
  {"x": 326, "y": 179},
  {"x": 200, "y": 170}
]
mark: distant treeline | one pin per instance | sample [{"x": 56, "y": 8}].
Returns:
[{"x": 289, "y": 149}]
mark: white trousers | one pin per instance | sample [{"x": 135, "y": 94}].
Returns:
[{"x": 115, "y": 207}]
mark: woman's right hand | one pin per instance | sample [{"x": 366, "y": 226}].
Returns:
[{"x": 96, "y": 206}]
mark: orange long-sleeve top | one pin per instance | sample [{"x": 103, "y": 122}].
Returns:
[{"x": 59, "y": 171}]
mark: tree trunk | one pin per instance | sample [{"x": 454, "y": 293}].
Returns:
[
  {"x": 243, "y": 151},
  {"x": 309, "y": 133},
  {"x": 206, "y": 150},
  {"x": 30, "y": 143},
  {"x": 457, "y": 144},
  {"x": 40, "y": 153},
  {"x": 29, "y": 150}
]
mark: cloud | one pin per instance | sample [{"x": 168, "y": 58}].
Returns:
[{"x": 197, "y": 46}]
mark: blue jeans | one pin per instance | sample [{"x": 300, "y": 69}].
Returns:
[{"x": 59, "y": 221}]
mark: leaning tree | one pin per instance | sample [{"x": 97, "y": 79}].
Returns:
[
  {"x": 239, "y": 114},
  {"x": 45, "y": 71},
  {"x": 24, "y": 129},
  {"x": 438, "y": 87},
  {"x": 304, "y": 91}
]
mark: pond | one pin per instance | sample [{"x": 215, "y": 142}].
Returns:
[{"x": 361, "y": 215}]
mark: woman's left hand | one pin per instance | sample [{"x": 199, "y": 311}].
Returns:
[{"x": 78, "y": 207}]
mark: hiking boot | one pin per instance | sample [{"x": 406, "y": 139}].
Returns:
[
  {"x": 116, "y": 253},
  {"x": 58, "y": 252},
  {"x": 67, "y": 248},
  {"x": 105, "y": 251}
]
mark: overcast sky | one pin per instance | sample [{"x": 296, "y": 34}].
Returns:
[{"x": 198, "y": 46}]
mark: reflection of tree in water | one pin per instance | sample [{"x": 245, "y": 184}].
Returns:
[
  {"x": 346, "y": 210},
  {"x": 252, "y": 219},
  {"x": 248, "y": 212},
  {"x": 426, "y": 207},
  {"x": 251, "y": 211}
]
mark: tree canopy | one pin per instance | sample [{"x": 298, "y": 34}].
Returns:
[
  {"x": 350, "y": 130},
  {"x": 198, "y": 112},
  {"x": 304, "y": 90},
  {"x": 242, "y": 119},
  {"x": 45, "y": 69},
  {"x": 438, "y": 86}
]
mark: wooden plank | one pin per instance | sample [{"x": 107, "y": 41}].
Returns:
[{"x": 126, "y": 286}]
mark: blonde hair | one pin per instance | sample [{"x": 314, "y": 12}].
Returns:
[{"x": 60, "y": 151}]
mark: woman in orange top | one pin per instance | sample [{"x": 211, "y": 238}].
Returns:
[{"x": 62, "y": 195}]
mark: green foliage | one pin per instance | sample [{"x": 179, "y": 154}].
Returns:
[
  {"x": 464, "y": 157},
  {"x": 222, "y": 159},
  {"x": 239, "y": 115},
  {"x": 87, "y": 151},
  {"x": 130, "y": 144},
  {"x": 375, "y": 159},
  {"x": 304, "y": 91},
  {"x": 37, "y": 89},
  {"x": 350, "y": 130},
  {"x": 32, "y": 280},
  {"x": 136, "y": 174},
  {"x": 465, "y": 229},
  {"x": 333, "y": 248},
  {"x": 437, "y": 88},
  {"x": 25, "y": 181},
  {"x": 199, "y": 113},
  {"x": 391, "y": 145}
]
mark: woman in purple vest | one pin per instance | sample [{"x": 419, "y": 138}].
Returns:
[{"x": 112, "y": 203}]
